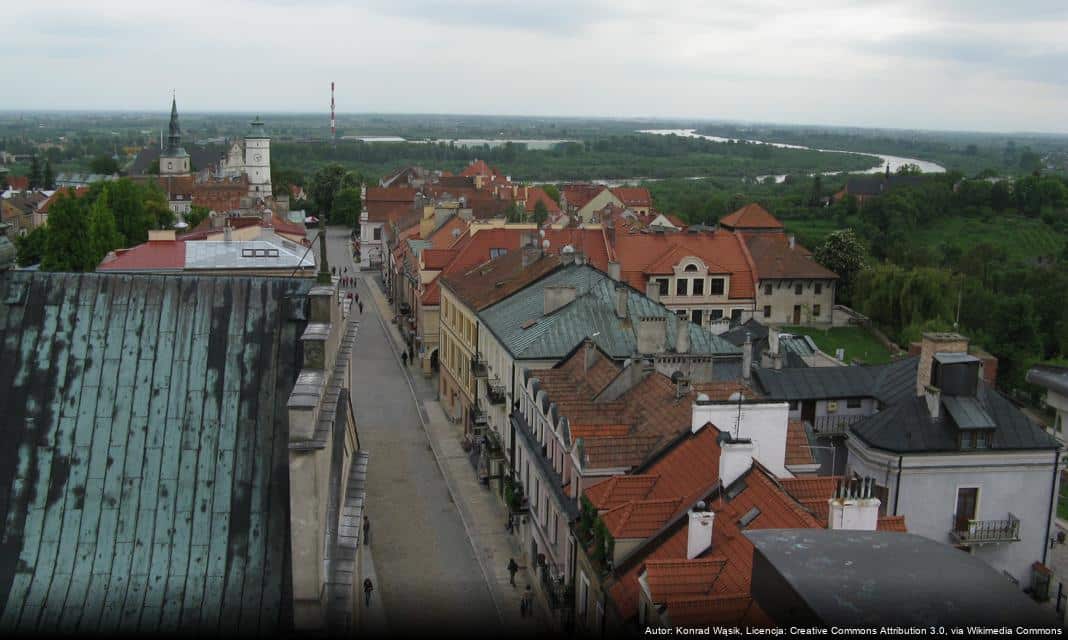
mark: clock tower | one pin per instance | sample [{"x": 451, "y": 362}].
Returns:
[
  {"x": 258, "y": 160},
  {"x": 173, "y": 160}
]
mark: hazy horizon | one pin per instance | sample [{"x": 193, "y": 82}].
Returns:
[{"x": 927, "y": 65}]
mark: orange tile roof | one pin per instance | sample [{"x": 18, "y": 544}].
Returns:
[
  {"x": 634, "y": 196},
  {"x": 594, "y": 430},
  {"x": 579, "y": 195},
  {"x": 811, "y": 488},
  {"x": 640, "y": 519},
  {"x": 437, "y": 258},
  {"x": 495, "y": 280},
  {"x": 18, "y": 183},
  {"x": 721, "y": 250},
  {"x": 618, "y": 490},
  {"x": 536, "y": 195},
  {"x": 892, "y": 523},
  {"x": 390, "y": 194},
  {"x": 449, "y": 233},
  {"x": 432, "y": 296},
  {"x": 798, "y": 450},
  {"x": 774, "y": 258},
  {"x": 751, "y": 216},
  {"x": 479, "y": 168},
  {"x": 673, "y": 578}
]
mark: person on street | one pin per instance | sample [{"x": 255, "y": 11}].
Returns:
[
  {"x": 411, "y": 355},
  {"x": 512, "y": 569},
  {"x": 366, "y": 530},
  {"x": 367, "y": 589},
  {"x": 404, "y": 357},
  {"x": 360, "y": 305},
  {"x": 527, "y": 603}
]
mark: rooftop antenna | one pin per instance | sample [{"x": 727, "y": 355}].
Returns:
[
  {"x": 960, "y": 299},
  {"x": 333, "y": 120}
]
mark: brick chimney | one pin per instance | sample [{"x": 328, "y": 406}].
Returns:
[
  {"x": 682, "y": 335},
  {"x": 652, "y": 291},
  {"x": 932, "y": 343},
  {"x": 854, "y": 506},
  {"x": 699, "y": 530},
  {"x": 614, "y": 271},
  {"x": 622, "y": 296},
  {"x": 652, "y": 334},
  {"x": 747, "y": 357}
]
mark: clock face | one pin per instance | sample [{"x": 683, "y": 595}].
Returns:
[{"x": 258, "y": 157}]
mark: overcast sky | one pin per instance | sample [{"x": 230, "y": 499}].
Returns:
[{"x": 954, "y": 64}]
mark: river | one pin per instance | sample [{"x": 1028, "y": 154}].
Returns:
[{"x": 894, "y": 161}]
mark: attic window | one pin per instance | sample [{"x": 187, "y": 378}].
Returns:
[
  {"x": 749, "y": 516},
  {"x": 259, "y": 253},
  {"x": 736, "y": 488}
]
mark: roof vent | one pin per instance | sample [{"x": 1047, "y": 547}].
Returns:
[
  {"x": 703, "y": 397},
  {"x": 736, "y": 397}
]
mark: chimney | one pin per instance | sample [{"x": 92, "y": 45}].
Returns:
[
  {"x": 557, "y": 296},
  {"x": 160, "y": 235},
  {"x": 652, "y": 334},
  {"x": 217, "y": 221},
  {"x": 682, "y": 387},
  {"x": 227, "y": 233},
  {"x": 652, "y": 291},
  {"x": 567, "y": 255},
  {"x": 854, "y": 506},
  {"x": 622, "y": 296},
  {"x": 613, "y": 271},
  {"x": 747, "y": 357},
  {"x": 932, "y": 343},
  {"x": 682, "y": 336},
  {"x": 590, "y": 356},
  {"x": 735, "y": 458},
  {"x": 699, "y": 530},
  {"x": 792, "y": 240},
  {"x": 933, "y": 395}
]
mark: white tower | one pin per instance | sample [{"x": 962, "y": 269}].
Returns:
[{"x": 258, "y": 160}]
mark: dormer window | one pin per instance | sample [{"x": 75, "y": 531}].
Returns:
[
  {"x": 715, "y": 287},
  {"x": 971, "y": 439},
  {"x": 691, "y": 268}
]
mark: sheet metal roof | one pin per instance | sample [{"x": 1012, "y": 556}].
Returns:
[
  {"x": 870, "y": 579},
  {"x": 886, "y": 382},
  {"x": 1050, "y": 377},
  {"x": 591, "y": 314},
  {"x": 967, "y": 413},
  {"x": 267, "y": 253},
  {"x": 144, "y": 425}
]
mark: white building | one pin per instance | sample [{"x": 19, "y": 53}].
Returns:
[{"x": 258, "y": 160}]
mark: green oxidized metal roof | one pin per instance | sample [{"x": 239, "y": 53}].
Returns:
[
  {"x": 519, "y": 320},
  {"x": 143, "y": 474}
]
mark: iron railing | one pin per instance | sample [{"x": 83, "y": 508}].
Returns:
[
  {"x": 834, "y": 425},
  {"x": 987, "y": 531},
  {"x": 495, "y": 393},
  {"x": 478, "y": 367}
]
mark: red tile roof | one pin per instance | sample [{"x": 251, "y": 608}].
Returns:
[
  {"x": 536, "y": 195},
  {"x": 640, "y": 252},
  {"x": 18, "y": 183},
  {"x": 437, "y": 259},
  {"x": 634, "y": 196},
  {"x": 390, "y": 194},
  {"x": 79, "y": 192},
  {"x": 619, "y": 490},
  {"x": 432, "y": 295},
  {"x": 495, "y": 280},
  {"x": 751, "y": 216},
  {"x": 774, "y": 258},
  {"x": 640, "y": 519},
  {"x": 479, "y": 168},
  {"x": 162, "y": 255},
  {"x": 892, "y": 523},
  {"x": 579, "y": 195},
  {"x": 449, "y": 233},
  {"x": 798, "y": 450}
]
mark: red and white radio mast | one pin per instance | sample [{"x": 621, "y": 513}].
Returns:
[{"x": 333, "y": 121}]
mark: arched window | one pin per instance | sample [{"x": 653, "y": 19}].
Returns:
[{"x": 690, "y": 267}]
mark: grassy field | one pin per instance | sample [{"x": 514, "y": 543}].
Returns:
[
  {"x": 1021, "y": 238},
  {"x": 856, "y": 341}
]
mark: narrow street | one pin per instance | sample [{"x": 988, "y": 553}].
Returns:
[{"x": 426, "y": 569}]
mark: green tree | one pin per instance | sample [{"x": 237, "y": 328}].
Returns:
[
  {"x": 101, "y": 231},
  {"x": 31, "y": 247},
  {"x": 137, "y": 207},
  {"x": 515, "y": 213},
  {"x": 104, "y": 164},
  {"x": 324, "y": 187},
  {"x": 552, "y": 191},
  {"x": 347, "y": 207},
  {"x": 48, "y": 179},
  {"x": 816, "y": 198},
  {"x": 909, "y": 169},
  {"x": 541, "y": 213},
  {"x": 843, "y": 253},
  {"x": 196, "y": 215},
  {"x": 36, "y": 179},
  {"x": 153, "y": 168},
  {"x": 66, "y": 247}
]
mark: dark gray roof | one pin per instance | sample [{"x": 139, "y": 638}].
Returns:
[
  {"x": 143, "y": 475},
  {"x": 886, "y": 382},
  {"x": 907, "y": 427},
  {"x": 1050, "y": 377},
  {"x": 200, "y": 156},
  {"x": 874, "y": 578}
]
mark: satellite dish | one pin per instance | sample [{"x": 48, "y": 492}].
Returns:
[
  {"x": 737, "y": 397},
  {"x": 567, "y": 249},
  {"x": 703, "y": 397},
  {"x": 545, "y": 244}
]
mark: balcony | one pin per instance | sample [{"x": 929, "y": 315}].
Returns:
[
  {"x": 834, "y": 425},
  {"x": 478, "y": 366},
  {"x": 495, "y": 393},
  {"x": 479, "y": 417},
  {"x": 987, "y": 531}
]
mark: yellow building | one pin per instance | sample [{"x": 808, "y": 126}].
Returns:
[{"x": 458, "y": 336}]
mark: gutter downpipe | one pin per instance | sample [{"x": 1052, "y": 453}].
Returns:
[
  {"x": 1052, "y": 504},
  {"x": 897, "y": 486}
]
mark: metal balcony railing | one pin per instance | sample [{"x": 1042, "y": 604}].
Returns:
[
  {"x": 478, "y": 367},
  {"x": 987, "y": 531},
  {"x": 834, "y": 425},
  {"x": 495, "y": 393},
  {"x": 479, "y": 417}
]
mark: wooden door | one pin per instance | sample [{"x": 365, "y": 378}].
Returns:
[
  {"x": 967, "y": 501},
  {"x": 797, "y": 314}
]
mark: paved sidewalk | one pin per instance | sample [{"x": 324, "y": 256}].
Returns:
[
  {"x": 371, "y": 619},
  {"x": 483, "y": 514}
]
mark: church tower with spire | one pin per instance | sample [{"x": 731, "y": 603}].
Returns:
[{"x": 173, "y": 160}]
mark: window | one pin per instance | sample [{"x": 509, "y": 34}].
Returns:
[
  {"x": 680, "y": 286},
  {"x": 798, "y": 288},
  {"x": 497, "y": 253},
  {"x": 715, "y": 287},
  {"x": 681, "y": 313},
  {"x": 663, "y": 284},
  {"x": 691, "y": 268},
  {"x": 980, "y": 440},
  {"x": 736, "y": 315},
  {"x": 378, "y": 233},
  {"x": 853, "y": 403},
  {"x": 815, "y": 311},
  {"x": 715, "y": 314},
  {"x": 767, "y": 289},
  {"x": 767, "y": 311},
  {"x": 695, "y": 316},
  {"x": 699, "y": 287},
  {"x": 818, "y": 288},
  {"x": 967, "y": 439},
  {"x": 795, "y": 405}
]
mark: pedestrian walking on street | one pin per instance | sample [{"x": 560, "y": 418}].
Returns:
[
  {"x": 357, "y": 296},
  {"x": 367, "y": 589},
  {"x": 526, "y": 604},
  {"x": 366, "y": 530},
  {"x": 411, "y": 355},
  {"x": 404, "y": 357},
  {"x": 360, "y": 305},
  {"x": 512, "y": 569}
]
